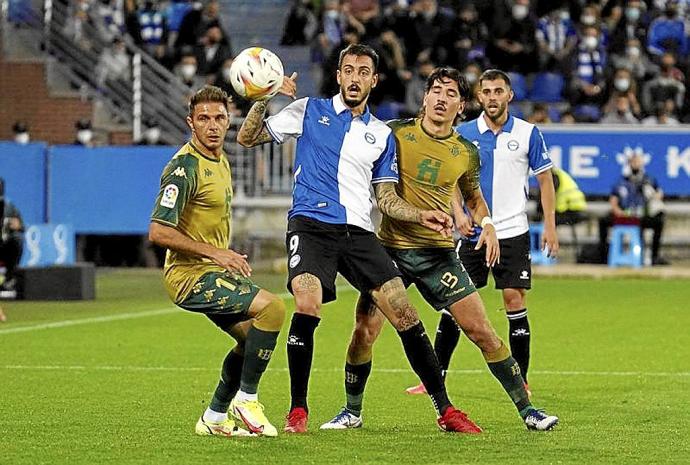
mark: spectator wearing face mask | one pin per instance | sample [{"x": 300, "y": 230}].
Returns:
[
  {"x": 84, "y": 134},
  {"x": 514, "y": 44},
  {"x": 471, "y": 37},
  {"x": 151, "y": 134},
  {"x": 212, "y": 52},
  {"x": 632, "y": 24},
  {"x": 669, "y": 84},
  {"x": 414, "y": 94},
  {"x": 634, "y": 57},
  {"x": 21, "y": 132},
  {"x": 623, "y": 84},
  {"x": 186, "y": 71},
  {"x": 557, "y": 38},
  {"x": 668, "y": 33},
  {"x": 588, "y": 81}
]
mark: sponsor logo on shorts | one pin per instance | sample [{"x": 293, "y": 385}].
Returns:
[
  {"x": 294, "y": 260},
  {"x": 524, "y": 274},
  {"x": 169, "y": 198}
]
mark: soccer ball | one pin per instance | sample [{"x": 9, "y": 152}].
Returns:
[{"x": 256, "y": 73}]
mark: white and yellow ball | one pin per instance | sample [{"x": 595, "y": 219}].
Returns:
[{"x": 256, "y": 73}]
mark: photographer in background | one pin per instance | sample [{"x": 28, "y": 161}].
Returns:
[{"x": 11, "y": 231}]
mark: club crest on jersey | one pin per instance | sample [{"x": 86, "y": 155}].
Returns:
[
  {"x": 369, "y": 137},
  {"x": 513, "y": 145},
  {"x": 169, "y": 198},
  {"x": 455, "y": 150}
]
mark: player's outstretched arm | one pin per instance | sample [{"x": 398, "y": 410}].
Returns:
[
  {"x": 253, "y": 132},
  {"x": 394, "y": 206},
  {"x": 480, "y": 213},
  {"x": 549, "y": 239},
  {"x": 171, "y": 238}
]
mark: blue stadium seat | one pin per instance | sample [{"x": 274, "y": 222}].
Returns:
[
  {"x": 547, "y": 87},
  {"x": 519, "y": 84},
  {"x": 388, "y": 110},
  {"x": 538, "y": 256},
  {"x": 554, "y": 114},
  {"x": 625, "y": 248},
  {"x": 587, "y": 113}
]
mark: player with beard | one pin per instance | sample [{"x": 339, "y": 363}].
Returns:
[
  {"x": 509, "y": 149},
  {"x": 342, "y": 149},
  {"x": 434, "y": 162}
]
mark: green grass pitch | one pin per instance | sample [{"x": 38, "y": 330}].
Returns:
[{"x": 122, "y": 380}]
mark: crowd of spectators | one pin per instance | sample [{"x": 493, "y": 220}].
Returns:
[{"x": 615, "y": 61}]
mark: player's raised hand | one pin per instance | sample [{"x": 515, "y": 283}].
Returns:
[
  {"x": 437, "y": 220},
  {"x": 289, "y": 86},
  {"x": 232, "y": 261},
  {"x": 493, "y": 251},
  {"x": 549, "y": 240}
]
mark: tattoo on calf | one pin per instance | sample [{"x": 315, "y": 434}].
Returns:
[{"x": 394, "y": 291}]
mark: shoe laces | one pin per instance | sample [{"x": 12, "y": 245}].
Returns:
[
  {"x": 343, "y": 416},
  {"x": 537, "y": 413}
]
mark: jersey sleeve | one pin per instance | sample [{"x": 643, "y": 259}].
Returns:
[
  {"x": 386, "y": 166},
  {"x": 539, "y": 160},
  {"x": 288, "y": 122},
  {"x": 178, "y": 185},
  {"x": 469, "y": 181}
]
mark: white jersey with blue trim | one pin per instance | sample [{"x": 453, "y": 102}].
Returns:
[
  {"x": 337, "y": 159},
  {"x": 506, "y": 161}
]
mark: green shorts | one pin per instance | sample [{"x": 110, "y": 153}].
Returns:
[
  {"x": 223, "y": 297},
  {"x": 437, "y": 273}
]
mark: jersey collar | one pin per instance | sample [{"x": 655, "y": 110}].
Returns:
[
  {"x": 339, "y": 107},
  {"x": 483, "y": 127}
]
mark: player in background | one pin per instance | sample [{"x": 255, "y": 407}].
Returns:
[
  {"x": 509, "y": 148},
  {"x": 192, "y": 219},
  {"x": 434, "y": 162},
  {"x": 342, "y": 149}
]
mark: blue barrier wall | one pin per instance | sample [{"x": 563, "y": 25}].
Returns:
[
  {"x": 595, "y": 156},
  {"x": 106, "y": 190},
  {"x": 24, "y": 169}
]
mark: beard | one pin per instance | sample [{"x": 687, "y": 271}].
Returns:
[
  {"x": 500, "y": 111},
  {"x": 352, "y": 103}
]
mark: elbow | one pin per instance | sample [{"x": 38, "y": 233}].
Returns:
[{"x": 155, "y": 236}]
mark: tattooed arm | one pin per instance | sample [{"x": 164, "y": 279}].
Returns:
[
  {"x": 391, "y": 204},
  {"x": 253, "y": 132}
]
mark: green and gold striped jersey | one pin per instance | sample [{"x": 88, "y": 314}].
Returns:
[
  {"x": 430, "y": 169},
  {"x": 194, "y": 197}
]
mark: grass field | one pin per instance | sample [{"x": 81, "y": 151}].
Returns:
[{"x": 122, "y": 380}]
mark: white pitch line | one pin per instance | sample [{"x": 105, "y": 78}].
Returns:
[
  {"x": 681, "y": 374},
  {"x": 118, "y": 317}
]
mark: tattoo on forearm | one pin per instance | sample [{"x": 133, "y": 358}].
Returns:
[
  {"x": 253, "y": 125},
  {"x": 392, "y": 205}
]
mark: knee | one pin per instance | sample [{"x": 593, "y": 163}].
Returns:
[
  {"x": 308, "y": 305},
  {"x": 514, "y": 299},
  {"x": 271, "y": 316}
]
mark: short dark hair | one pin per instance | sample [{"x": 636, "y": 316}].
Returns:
[
  {"x": 449, "y": 73},
  {"x": 493, "y": 74},
  {"x": 359, "y": 50},
  {"x": 208, "y": 94}
]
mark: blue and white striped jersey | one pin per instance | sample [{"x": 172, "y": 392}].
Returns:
[
  {"x": 506, "y": 160},
  {"x": 337, "y": 159}
]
